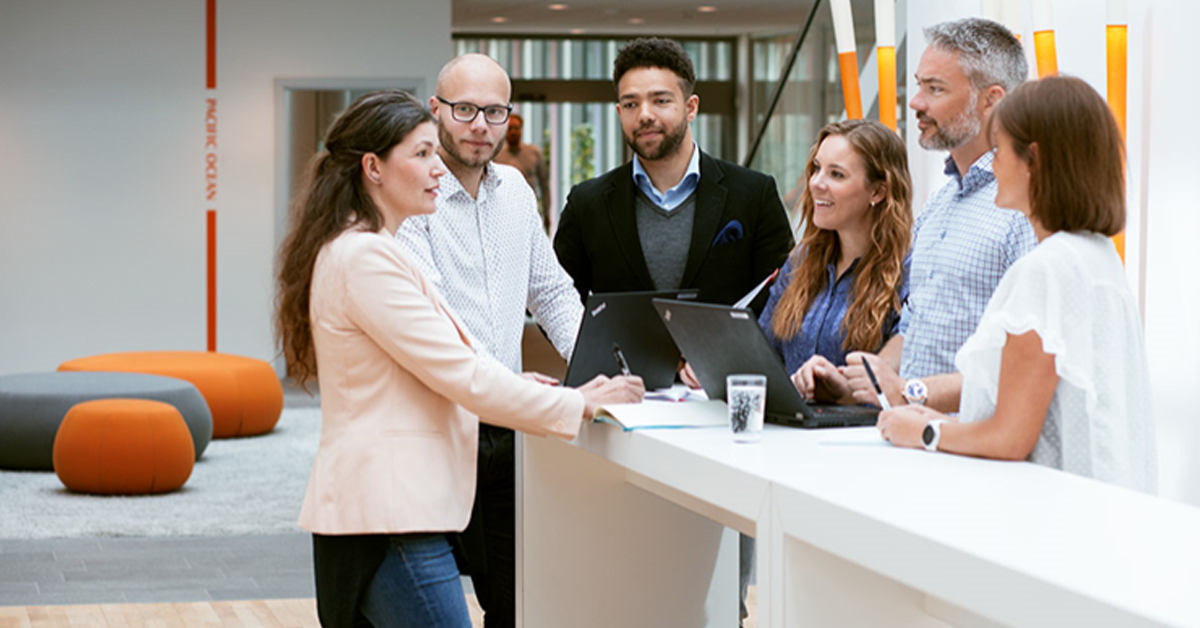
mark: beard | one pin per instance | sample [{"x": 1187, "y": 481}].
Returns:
[
  {"x": 450, "y": 145},
  {"x": 669, "y": 145},
  {"x": 961, "y": 129}
]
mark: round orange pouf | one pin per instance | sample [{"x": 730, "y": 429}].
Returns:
[
  {"x": 244, "y": 394},
  {"x": 123, "y": 446}
]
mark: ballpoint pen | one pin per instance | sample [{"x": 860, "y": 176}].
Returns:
[
  {"x": 621, "y": 360},
  {"x": 883, "y": 402}
]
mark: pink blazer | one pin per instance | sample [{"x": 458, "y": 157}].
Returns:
[{"x": 402, "y": 393}]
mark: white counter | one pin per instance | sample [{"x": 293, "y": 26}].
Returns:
[{"x": 627, "y": 528}]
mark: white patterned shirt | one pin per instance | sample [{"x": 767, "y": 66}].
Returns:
[
  {"x": 1072, "y": 291},
  {"x": 962, "y": 245},
  {"x": 491, "y": 259}
]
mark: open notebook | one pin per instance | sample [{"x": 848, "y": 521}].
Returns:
[{"x": 651, "y": 414}]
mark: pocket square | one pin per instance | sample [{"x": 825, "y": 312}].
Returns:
[{"x": 731, "y": 232}]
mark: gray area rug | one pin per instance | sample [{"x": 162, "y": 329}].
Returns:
[{"x": 249, "y": 485}]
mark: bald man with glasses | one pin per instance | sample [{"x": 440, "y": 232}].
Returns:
[{"x": 487, "y": 253}]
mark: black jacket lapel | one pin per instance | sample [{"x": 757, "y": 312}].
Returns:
[
  {"x": 619, "y": 202},
  {"x": 710, "y": 205}
]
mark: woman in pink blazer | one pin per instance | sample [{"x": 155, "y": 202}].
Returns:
[{"x": 402, "y": 389}]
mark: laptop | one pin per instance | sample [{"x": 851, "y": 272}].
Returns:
[
  {"x": 627, "y": 320},
  {"x": 720, "y": 340}
]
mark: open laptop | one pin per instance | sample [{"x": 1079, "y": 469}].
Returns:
[
  {"x": 719, "y": 340},
  {"x": 628, "y": 320}
]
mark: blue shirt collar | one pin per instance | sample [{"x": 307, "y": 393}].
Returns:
[
  {"x": 676, "y": 195},
  {"x": 978, "y": 175}
]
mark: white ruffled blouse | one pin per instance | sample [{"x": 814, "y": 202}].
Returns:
[{"x": 1072, "y": 290}]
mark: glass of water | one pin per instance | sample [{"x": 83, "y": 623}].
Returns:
[{"x": 746, "y": 396}]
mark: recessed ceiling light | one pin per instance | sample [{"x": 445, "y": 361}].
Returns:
[
  {"x": 499, "y": 19},
  {"x": 707, "y": 9},
  {"x": 636, "y": 20},
  {"x": 577, "y": 31},
  {"x": 557, "y": 7}
]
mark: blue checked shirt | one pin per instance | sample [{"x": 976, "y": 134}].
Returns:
[{"x": 962, "y": 245}]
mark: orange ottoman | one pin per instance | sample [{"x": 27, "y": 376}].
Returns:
[
  {"x": 123, "y": 446},
  {"x": 244, "y": 394}
]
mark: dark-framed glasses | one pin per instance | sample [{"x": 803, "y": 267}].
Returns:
[{"x": 465, "y": 112}]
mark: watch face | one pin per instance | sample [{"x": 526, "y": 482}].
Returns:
[
  {"x": 927, "y": 435},
  {"x": 915, "y": 389}
]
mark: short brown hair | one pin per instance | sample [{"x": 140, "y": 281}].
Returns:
[
  {"x": 655, "y": 52},
  {"x": 1078, "y": 168}
]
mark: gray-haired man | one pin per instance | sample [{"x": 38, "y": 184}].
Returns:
[{"x": 962, "y": 242}]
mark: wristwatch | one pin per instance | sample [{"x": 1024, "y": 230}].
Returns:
[
  {"x": 915, "y": 392},
  {"x": 932, "y": 434}
]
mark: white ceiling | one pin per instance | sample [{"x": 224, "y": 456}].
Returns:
[{"x": 606, "y": 17}]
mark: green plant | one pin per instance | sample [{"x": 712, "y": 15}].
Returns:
[{"x": 583, "y": 154}]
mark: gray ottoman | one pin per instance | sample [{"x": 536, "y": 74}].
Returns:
[{"x": 32, "y": 405}]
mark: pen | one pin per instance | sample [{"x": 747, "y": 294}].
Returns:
[
  {"x": 883, "y": 402},
  {"x": 621, "y": 360}
]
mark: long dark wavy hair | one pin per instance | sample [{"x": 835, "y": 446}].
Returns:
[
  {"x": 332, "y": 199},
  {"x": 880, "y": 272}
]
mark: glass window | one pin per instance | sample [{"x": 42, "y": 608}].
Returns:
[{"x": 582, "y": 140}]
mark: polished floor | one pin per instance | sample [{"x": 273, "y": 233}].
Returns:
[
  {"x": 263, "y": 580},
  {"x": 155, "y": 569}
]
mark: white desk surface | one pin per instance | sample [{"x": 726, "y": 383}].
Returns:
[{"x": 976, "y": 533}]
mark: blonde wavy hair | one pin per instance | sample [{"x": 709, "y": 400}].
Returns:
[{"x": 880, "y": 272}]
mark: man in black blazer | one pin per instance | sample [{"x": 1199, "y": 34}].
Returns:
[{"x": 674, "y": 217}]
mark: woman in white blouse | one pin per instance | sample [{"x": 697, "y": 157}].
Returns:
[{"x": 1056, "y": 371}]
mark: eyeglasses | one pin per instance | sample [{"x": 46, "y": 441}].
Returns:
[{"x": 466, "y": 112}]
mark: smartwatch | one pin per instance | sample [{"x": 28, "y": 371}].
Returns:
[
  {"x": 932, "y": 434},
  {"x": 915, "y": 392}
]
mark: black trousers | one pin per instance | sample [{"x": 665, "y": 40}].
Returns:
[
  {"x": 344, "y": 567},
  {"x": 486, "y": 550}
]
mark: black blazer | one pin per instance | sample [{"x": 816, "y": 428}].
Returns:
[{"x": 740, "y": 235}]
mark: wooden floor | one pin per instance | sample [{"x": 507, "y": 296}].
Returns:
[{"x": 244, "y": 614}]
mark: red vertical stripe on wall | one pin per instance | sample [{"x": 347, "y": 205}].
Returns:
[
  {"x": 210, "y": 63},
  {"x": 212, "y": 280},
  {"x": 211, "y": 43}
]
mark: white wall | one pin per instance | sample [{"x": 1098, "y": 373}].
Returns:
[
  {"x": 1163, "y": 243},
  {"x": 102, "y": 198}
]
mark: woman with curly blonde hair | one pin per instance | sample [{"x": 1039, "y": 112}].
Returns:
[{"x": 842, "y": 287}]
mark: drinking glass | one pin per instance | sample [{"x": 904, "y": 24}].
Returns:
[{"x": 746, "y": 397}]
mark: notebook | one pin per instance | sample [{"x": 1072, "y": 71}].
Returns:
[
  {"x": 627, "y": 320},
  {"x": 719, "y": 340}
]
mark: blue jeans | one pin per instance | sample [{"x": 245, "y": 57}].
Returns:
[{"x": 417, "y": 586}]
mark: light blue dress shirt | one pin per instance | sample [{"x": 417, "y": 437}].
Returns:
[
  {"x": 962, "y": 245},
  {"x": 673, "y": 197}
]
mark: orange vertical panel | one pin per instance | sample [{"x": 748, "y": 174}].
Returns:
[
  {"x": 886, "y": 57},
  {"x": 1117, "y": 72},
  {"x": 212, "y": 279},
  {"x": 1047, "y": 53},
  {"x": 1118, "y": 84},
  {"x": 848, "y": 61}
]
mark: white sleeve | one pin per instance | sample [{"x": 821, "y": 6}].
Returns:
[{"x": 552, "y": 297}]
